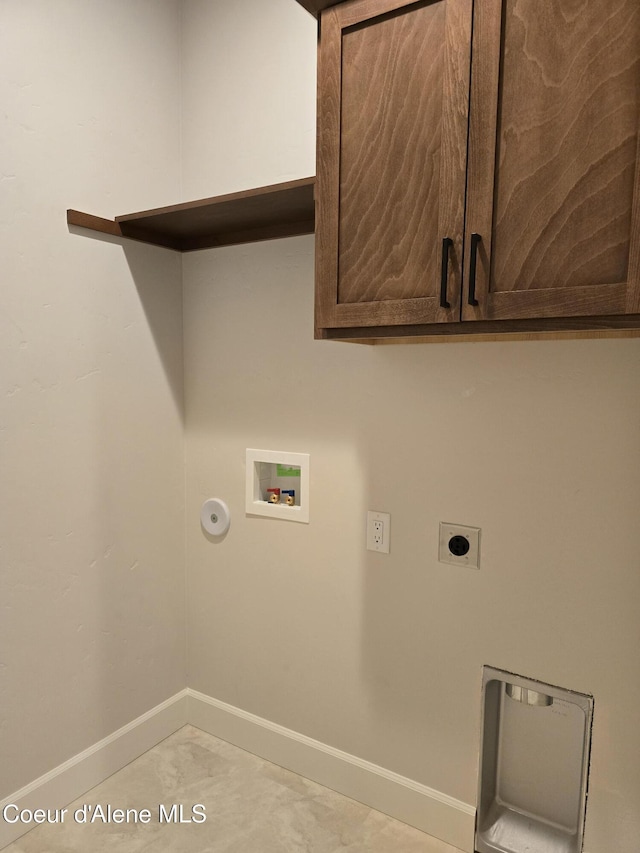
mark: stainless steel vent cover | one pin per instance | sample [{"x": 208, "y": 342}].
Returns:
[{"x": 534, "y": 763}]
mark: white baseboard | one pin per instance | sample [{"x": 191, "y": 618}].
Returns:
[
  {"x": 70, "y": 780},
  {"x": 429, "y": 810}
]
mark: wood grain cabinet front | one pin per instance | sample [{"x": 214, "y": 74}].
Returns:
[{"x": 477, "y": 167}]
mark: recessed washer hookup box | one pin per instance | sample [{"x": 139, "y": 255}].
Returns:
[{"x": 534, "y": 765}]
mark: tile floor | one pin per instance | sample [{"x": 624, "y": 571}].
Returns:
[{"x": 252, "y": 806}]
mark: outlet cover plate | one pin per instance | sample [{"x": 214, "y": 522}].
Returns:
[
  {"x": 471, "y": 560},
  {"x": 374, "y": 541}
]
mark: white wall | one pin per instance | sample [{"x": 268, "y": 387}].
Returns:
[
  {"x": 537, "y": 443},
  {"x": 91, "y": 451},
  {"x": 248, "y": 94}
]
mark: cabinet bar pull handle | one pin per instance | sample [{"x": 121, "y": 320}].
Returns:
[
  {"x": 475, "y": 239},
  {"x": 447, "y": 242}
]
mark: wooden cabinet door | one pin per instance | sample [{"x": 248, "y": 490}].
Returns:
[
  {"x": 554, "y": 174},
  {"x": 393, "y": 94}
]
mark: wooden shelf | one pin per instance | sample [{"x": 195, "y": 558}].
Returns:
[
  {"x": 266, "y": 213},
  {"x": 316, "y": 6}
]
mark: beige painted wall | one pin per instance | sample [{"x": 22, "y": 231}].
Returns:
[
  {"x": 248, "y": 94},
  {"x": 537, "y": 443},
  {"x": 91, "y": 449}
]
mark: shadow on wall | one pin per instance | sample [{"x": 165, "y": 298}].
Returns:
[{"x": 156, "y": 292}]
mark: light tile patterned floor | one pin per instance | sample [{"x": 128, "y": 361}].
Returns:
[{"x": 252, "y": 806}]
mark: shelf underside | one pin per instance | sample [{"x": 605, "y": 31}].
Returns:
[
  {"x": 266, "y": 213},
  {"x": 316, "y": 6}
]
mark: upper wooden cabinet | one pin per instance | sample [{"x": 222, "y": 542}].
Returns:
[{"x": 491, "y": 179}]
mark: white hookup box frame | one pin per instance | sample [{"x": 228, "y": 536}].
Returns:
[{"x": 262, "y": 474}]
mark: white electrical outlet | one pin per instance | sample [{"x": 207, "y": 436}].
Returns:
[
  {"x": 378, "y": 531},
  {"x": 459, "y": 545}
]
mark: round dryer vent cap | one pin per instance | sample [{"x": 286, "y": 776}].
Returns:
[{"x": 215, "y": 516}]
